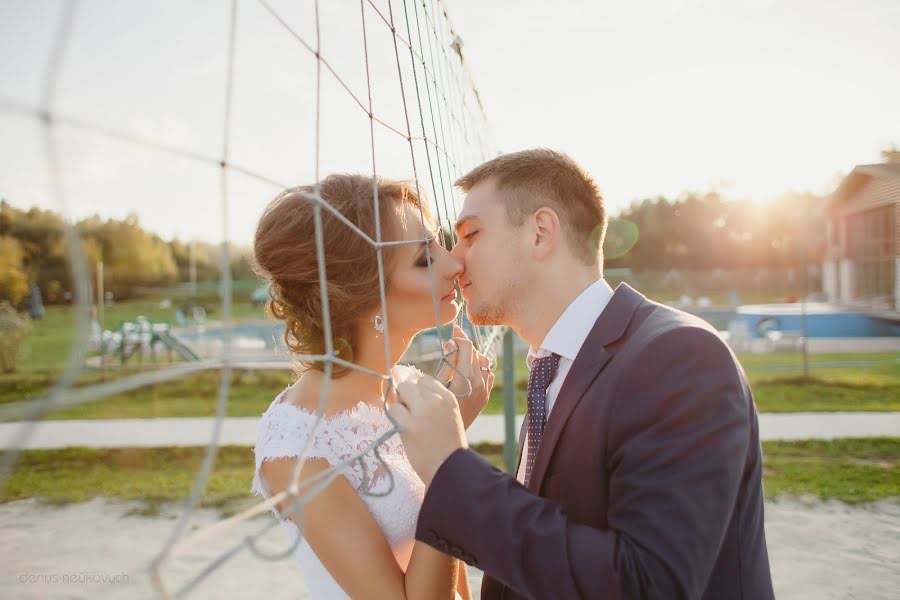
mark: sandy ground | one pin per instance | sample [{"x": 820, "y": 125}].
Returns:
[{"x": 817, "y": 550}]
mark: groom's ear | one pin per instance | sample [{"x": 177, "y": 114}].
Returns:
[{"x": 546, "y": 231}]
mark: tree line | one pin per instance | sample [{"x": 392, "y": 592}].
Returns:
[
  {"x": 694, "y": 231},
  {"x": 33, "y": 251},
  {"x": 705, "y": 231}
]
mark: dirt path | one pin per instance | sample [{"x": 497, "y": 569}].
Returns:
[{"x": 817, "y": 551}]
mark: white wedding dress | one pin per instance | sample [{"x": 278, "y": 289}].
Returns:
[{"x": 284, "y": 431}]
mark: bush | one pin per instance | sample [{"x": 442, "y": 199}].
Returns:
[{"x": 12, "y": 329}]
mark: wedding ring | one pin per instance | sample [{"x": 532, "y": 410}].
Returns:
[{"x": 486, "y": 369}]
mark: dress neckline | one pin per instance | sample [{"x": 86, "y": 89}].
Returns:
[
  {"x": 400, "y": 373},
  {"x": 360, "y": 407}
]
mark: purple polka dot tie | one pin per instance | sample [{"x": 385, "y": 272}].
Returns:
[{"x": 542, "y": 372}]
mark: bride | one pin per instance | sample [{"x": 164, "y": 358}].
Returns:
[{"x": 359, "y": 531}]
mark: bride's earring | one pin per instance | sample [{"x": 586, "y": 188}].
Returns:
[{"x": 379, "y": 324}]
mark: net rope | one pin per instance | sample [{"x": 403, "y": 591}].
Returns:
[{"x": 453, "y": 130}]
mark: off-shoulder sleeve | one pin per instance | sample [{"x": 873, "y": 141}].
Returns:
[{"x": 284, "y": 432}]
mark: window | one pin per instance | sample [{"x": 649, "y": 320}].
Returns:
[{"x": 871, "y": 238}]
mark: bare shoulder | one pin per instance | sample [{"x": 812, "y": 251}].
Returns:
[
  {"x": 306, "y": 393},
  {"x": 279, "y": 473}
]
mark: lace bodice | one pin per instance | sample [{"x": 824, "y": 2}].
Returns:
[{"x": 284, "y": 431}]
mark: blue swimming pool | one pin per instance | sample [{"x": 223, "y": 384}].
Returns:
[
  {"x": 252, "y": 336},
  {"x": 823, "y": 320}
]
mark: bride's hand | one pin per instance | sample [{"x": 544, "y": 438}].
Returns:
[{"x": 470, "y": 364}]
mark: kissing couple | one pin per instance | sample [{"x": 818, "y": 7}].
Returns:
[{"x": 640, "y": 464}]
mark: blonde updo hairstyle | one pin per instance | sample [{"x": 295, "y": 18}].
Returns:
[{"x": 284, "y": 253}]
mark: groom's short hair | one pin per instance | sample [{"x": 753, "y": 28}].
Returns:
[{"x": 531, "y": 179}]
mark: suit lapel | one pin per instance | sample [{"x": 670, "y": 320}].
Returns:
[{"x": 590, "y": 361}]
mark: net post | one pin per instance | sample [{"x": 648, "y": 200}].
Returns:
[{"x": 511, "y": 447}]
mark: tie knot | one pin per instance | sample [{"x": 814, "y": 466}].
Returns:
[
  {"x": 552, "y": 360},
  {"x": 549, "y": 363},
  {"x": 543, "y": 370}
]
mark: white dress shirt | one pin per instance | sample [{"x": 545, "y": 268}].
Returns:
[{"x": 565, "y": 338}]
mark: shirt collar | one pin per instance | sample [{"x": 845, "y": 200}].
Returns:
[{"x": 567, "y": 335}]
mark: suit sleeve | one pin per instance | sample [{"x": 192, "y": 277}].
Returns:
[{"x": 678, "y": 435}]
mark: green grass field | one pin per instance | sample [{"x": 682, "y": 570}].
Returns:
[
  {"x": 848, "y": 470},
  {"x": 851, "y": 471},
  {"x": 854, "y": 388},
  {"x": 838, "y": 382}
]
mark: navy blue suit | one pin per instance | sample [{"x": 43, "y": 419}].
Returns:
[{"x": 647, "y": 483}]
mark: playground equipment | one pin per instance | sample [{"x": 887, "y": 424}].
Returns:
[{"x": 138, "y": 337}]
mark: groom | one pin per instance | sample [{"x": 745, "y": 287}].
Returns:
[{"x": 640, "y": 463}]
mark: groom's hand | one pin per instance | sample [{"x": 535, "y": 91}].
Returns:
[
  {"x": 467, "y": 364},
  {"x": 431, "y": 426}
]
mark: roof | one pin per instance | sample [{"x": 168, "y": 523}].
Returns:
[
  {"x": 861, "y": 175},
  {"x": 883, "y": 170}
]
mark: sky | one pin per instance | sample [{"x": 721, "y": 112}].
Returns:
[{"x": 653, "y": 97}]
